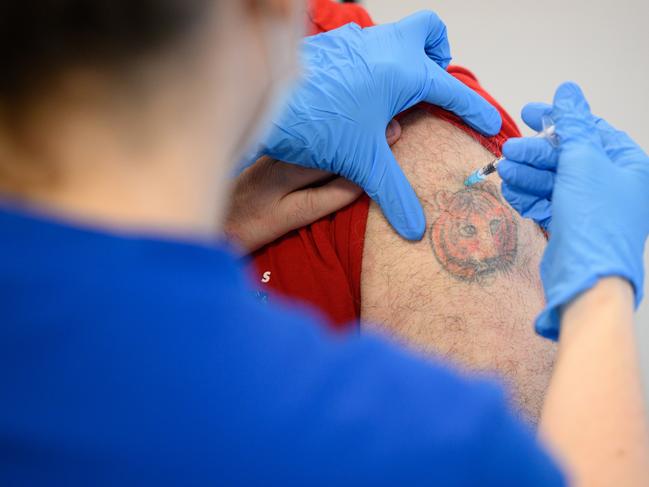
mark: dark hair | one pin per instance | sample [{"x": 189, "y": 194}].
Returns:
[{"x": 39, "y": 37}]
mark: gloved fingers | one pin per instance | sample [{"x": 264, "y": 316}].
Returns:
[
  {"x": 532, "y": 151},
  {"x": 425, "y": 29},
  {"x": 620, "y": 147},
  {"x": 528, "y": 206},
  {"x": 574, "y": 121},
  {"x": 616, "y": 143},
  {"x": 541, "y": 213},
  {"x": 398, "y": 201},
  {"x": 519, "y": 199},
  {"x": 535, "y": 182},
  {"x": 533, "y": 113},
  {"x": 453, "y": 95}
]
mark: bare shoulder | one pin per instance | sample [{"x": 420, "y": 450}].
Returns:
[{"x": 470, "y": 289}]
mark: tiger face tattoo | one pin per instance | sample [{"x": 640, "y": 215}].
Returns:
[{"x": 475, "y": 236}]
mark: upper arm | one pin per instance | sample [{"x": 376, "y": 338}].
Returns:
[{"x": 470, "y": 289}]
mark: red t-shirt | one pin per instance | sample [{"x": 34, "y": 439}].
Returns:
[{"x": 321, "y": 264}]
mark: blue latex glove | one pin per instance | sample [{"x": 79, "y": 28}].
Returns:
[
  {"x": 592, "y": 193},
  {"x": 529, "y": 170},
  {"x": 356, "y": 81}
]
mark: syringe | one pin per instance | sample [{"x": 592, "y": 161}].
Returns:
[{"x": 479, "y": 175}]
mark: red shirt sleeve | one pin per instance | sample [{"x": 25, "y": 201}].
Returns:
[{"x": 326, "y": 15}]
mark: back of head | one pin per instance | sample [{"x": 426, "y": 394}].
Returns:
[
  {"x": 41, "y": 41},
  {"x": 38, "y": 38},
  {"x": 98, "y": 96}
]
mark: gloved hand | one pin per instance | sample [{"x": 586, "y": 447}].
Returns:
[
  {"x": 356, "y": 81},
  {"x": 592, "y": 192}
]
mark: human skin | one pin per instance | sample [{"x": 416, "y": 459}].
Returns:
[
  {"x": 271, "y": 198},
  {"x": 470, "y": 289},
  {"x": 594, "y": 416},
  {"x": 150, "y": 146}
]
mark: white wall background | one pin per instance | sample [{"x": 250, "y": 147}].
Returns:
[{"x": 522, "y": 49}]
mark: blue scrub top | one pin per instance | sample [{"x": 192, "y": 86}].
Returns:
[{"x": 128, "y": 360}]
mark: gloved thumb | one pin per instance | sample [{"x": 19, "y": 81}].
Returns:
[
  {"x": 575, "y": 123},
  {"x": 394, "y": 194},
  {"x": 426, "y": 30}
]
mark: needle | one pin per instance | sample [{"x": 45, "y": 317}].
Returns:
[{"x": 479, "y": 175}]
